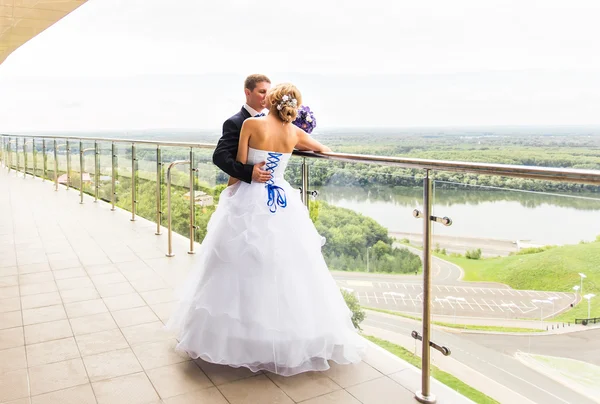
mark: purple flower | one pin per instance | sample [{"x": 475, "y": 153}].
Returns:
[{"x": 305, "y": 119}]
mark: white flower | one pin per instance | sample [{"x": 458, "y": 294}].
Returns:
[
  {"x": 279, "y": 107},
  {"x": 308, "y": 119},
  {"x": 294, "y": 102},
  {"x": 285, "y": 98}
]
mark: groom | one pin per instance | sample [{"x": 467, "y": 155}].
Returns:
[{"x": 224, "y": 157}]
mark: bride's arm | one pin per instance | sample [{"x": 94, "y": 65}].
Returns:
[{"x": 307, "y": 143}]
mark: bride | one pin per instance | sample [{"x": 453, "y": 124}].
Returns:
[{"x": 261, "y": 295}]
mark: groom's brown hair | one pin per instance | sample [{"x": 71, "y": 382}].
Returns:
[{"x": 252, "y": 80}]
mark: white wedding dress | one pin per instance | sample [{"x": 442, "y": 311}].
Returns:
[{"x": 261, "y": 295}]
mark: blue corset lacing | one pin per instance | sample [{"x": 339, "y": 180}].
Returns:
[{"x": 275, "y": 193}]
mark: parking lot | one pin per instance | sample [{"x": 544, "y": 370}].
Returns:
[{"x": 460, "y": 300}]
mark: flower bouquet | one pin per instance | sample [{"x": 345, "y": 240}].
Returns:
[{"x": 305, "y": 119}]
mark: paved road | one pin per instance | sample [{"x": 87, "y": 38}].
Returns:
[
  {"x": 498, "y": 366},
  {"x": 582, "y": 345},
  {"x": 471, "y": 300}
]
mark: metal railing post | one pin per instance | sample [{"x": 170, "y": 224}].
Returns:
[
  {"x": 158, "y": 189},
  {"x": 25, "y": 143},
  {"x": 169, "y": 213},
  {"x": 192, "y": 203},
  {"x": 113, "y": 193},
  {"x": 55, "y": 166},
  {"x": 9, "y": 151},
  {"x": 68, "y": 165},
  {"x": 34, "y": 155},
  {"x": 44, "y": 160},
  {"x": 24, "y": 157},
  {"x": 305, "y": 182},
  {"x": 81, "y": 151},
  {"x": 96, "y": 171},
  {"x": 15, "y": 165},
  {"x": 133, "y": 182},
  {"x": 169, "y": 221},
  {"x": 18, "y": 159},
  {"x": 424, "y": 395}
]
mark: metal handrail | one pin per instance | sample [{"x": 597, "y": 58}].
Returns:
[
  {"x": 122, "y": 140},
  {"x": 427, "y": 165},
  {"x": 579, "y": 176}
]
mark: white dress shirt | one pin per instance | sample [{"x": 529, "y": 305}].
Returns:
[{"x": 254, "y": 112}]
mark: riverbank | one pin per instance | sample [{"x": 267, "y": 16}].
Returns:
[{"x": 459, "y": 245}]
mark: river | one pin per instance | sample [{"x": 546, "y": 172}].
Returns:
[{"x": 536, "y": 218}]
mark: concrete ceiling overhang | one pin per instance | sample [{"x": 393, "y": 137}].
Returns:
[{"x": 21, "y": 20}]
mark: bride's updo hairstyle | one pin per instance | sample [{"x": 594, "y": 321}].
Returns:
[{"x": 284, "y": 100}]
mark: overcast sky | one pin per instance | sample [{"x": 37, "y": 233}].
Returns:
[{"x": 132, "y": 64}]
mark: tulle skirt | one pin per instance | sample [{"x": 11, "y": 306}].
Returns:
[{"x": 261, "y": 295}]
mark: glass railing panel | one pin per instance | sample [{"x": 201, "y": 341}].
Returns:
[
  {"x": 145, "y": 181},
  {"x": 51, "y": 163},
  {"x": 293, "y": 173},
  {"x": 14, "y": 154},
  {"x": 520, "y": 227},
  {"x": 17, "y": 157},
  {"x": 28, "y": 154},
  {"x": 180, "y": 189},
  {"x": 365, "y": 213},
  {"x": 36, "y": 158},
  {"x": 74, "y": 163},
  {"x": 62, "y": 157},
  {"x": 39, "y": 152},
  {"x": 105, "y": 171},
  {"x": 85, "y": 173},
  {"x": 123, "y": 173},
  {"x": 3, "y": 149},
  {"x": 520, "y": 260},
  {"x": 209, "y": 182}
]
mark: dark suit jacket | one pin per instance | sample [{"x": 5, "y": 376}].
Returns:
[{"x": 225, "y": 154}]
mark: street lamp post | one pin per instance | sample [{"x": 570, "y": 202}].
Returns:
[
  {"x": 582, "y": 276},
  {"x": 576, "y": 289},
  {"x": 541, "y": 307},
  {"x": 589, "y": 298},
  {"x": 552, "y": 299}
]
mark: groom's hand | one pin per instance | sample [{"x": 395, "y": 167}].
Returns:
[{"x": 260, "y": 175}]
